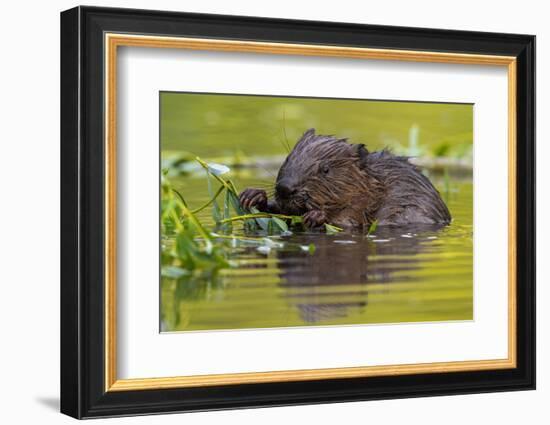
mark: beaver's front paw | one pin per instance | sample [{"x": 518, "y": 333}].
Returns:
[
  {"x": 253, "y": 198},
  {"x": 314, "y": 218}
]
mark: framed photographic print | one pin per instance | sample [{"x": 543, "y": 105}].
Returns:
[{"x": 261, "y": 212}]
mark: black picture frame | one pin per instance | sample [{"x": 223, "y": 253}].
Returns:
[{"x": 83, "y": 392}]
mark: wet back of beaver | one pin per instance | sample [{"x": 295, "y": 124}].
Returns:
[{"x": 328, "y": 180}]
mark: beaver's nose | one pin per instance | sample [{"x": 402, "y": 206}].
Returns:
[{"x": 285, "y": 188}]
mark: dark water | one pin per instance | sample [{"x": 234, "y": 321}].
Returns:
[{"x": 394, "y": 275}]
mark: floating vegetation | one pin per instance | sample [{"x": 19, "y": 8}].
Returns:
[
  {"x": 308, "y": 248},
  {"x": 331, "y": 230},
  {"x": 192, "y": 245},
  {"x": 189, "y": 246},
  {"x": 372, "y": 228}
]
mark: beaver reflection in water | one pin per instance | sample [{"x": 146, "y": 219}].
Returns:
[{"x": 328, "y": 180}]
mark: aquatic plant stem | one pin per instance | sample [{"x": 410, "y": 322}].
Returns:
[
  {"x": 198, "y": 210},
  {"x": 182, "y": 199},
  {"x": 259, "y": 215},
  {"x": 200, "y": 228}
]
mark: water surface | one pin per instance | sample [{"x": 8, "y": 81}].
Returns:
[{"x": 391, "y": 276}]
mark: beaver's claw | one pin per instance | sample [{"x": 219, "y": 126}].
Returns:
[
  {"x": 253, "y": 198},
  {"x": 314, "y": 218}
]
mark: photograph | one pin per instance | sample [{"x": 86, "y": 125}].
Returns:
[
  {"x": 281, "y": 212},
  {"x": 262, "y": 211}
]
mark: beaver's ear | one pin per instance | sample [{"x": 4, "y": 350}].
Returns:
[{"x": 362, "y": 153}]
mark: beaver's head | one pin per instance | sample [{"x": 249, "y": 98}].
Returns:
[{"x": 321, "y": 172}]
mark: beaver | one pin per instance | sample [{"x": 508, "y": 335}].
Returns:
[{"x": 325, "y": 179}]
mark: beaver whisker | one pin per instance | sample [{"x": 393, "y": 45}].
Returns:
[{"x": 265, "y": 183}]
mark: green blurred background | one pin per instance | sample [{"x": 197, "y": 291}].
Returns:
[{"x": 219, "y": 125}]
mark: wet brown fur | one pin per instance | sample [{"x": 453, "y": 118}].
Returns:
[{"x": 347, "y": 186}]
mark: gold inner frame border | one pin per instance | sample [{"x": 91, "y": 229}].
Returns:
[{"x": 112, "y": 41}]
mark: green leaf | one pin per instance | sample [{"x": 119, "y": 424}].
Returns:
[
  {"x": 216, "y": 214},
  {"x": 262, "y": 222},
  {"x": 226, "y": 203},
  {"x": 281, "y": 223},
  {"x": 331, "y": 230},
  {"x": 228, "y": 226},
  {"x": 239, "y": 210},
  {"x": 373, "y": 227},
  {"x": 185, "y": 247},
  {"x": 308, "y": 248}
]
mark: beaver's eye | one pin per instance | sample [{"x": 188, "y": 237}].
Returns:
[{"x": 325, "y": 169}]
